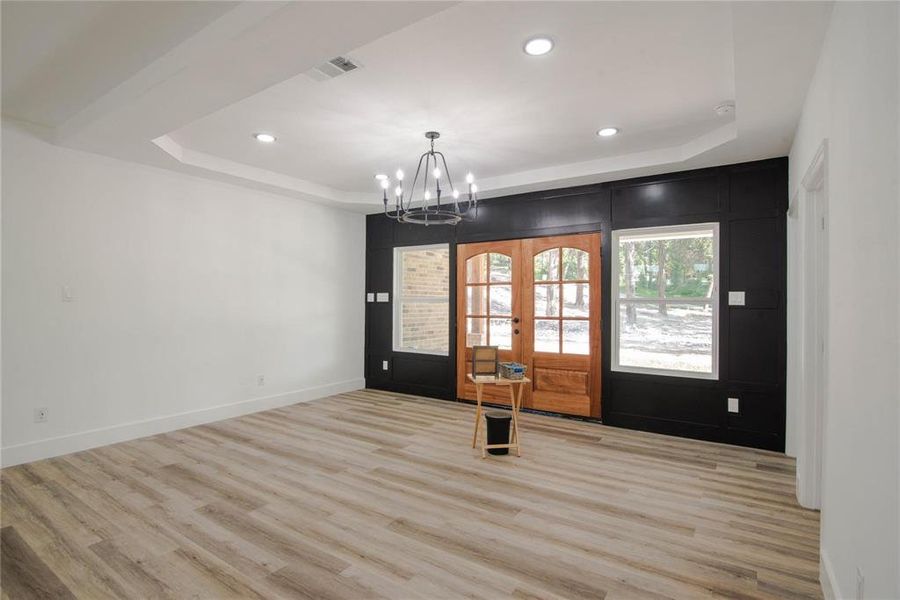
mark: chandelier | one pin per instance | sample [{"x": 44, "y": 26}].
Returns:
[{"x": 426, "y": 207}]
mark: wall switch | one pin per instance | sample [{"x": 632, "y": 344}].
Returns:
[
  {"x": 370, "y": 297},
  {"x": 260, "y": 380},
  {"x": 736, "y": 298},
  {"x": 66, "y": 293},
  {"x": 384, "y": 365},
  {"x": 734, "y": 405},
  {"x": 40, "y": 415}
]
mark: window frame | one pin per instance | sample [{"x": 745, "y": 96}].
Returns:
[
  {"x": 399, "y": 299},
  {"x": 653, "y": 232}
]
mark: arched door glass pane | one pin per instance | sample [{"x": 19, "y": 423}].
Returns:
[
  {"x": 477, "y": 269},
  {"x": 501, "y": 267},
  {"x": 546, "y": 265},
  {"x": 574, "y": 264}
]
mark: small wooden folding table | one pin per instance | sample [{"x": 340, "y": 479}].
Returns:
[{"x": 516, "y": 386}]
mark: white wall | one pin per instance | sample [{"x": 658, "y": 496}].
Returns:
[
  {"x": 853, "y": 102},
  {"x": 184, "y": 291}
]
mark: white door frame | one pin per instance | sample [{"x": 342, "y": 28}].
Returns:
[{"x": 810, "y": 207}]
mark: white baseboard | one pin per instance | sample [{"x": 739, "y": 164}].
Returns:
[
  {"x": 830, "y": 590},
  {"x": 75, "y": 442}
]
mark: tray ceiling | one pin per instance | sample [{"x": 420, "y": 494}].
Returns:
[{"x": 190, "y": 98}]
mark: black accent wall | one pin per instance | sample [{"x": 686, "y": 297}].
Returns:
[{"x": 749, "y": 201}]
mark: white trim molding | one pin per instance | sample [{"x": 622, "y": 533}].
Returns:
[
  {"x": 827, "y": 580},
  {"x": 807, "y": 329},
  {"x": 85, "y": 440}
]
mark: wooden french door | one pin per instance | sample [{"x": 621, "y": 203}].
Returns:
[
  {"x": 488, "y": 309},
  {"x": 538, "y": 300}
]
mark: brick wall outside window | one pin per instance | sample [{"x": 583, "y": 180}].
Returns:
[{"x": 424, "y": 310}]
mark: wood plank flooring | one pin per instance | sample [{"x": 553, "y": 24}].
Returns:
[{"x": 377, "y": 495}]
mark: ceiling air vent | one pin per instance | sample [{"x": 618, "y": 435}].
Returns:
[{"x": 333, "y": 68}]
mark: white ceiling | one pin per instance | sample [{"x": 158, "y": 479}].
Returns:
[
  {"x": 189, "y": 96},
  {"x": 58, "y": 56}
]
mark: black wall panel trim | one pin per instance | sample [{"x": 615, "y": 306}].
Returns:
[
  {"x": 752, "y": 350},
  {"x": 748, "y": 200},
  {"x": 666, "y": 199}
]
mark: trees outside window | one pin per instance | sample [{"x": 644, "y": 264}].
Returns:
[{"x": 665, "y": 300}]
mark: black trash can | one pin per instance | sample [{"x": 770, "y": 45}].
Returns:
[{"x": 497, "y": 431}]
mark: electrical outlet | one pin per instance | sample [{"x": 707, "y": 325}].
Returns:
[
  {"x": 261, "y": 380},
  {"x": 40, "y": 415},
  {"x": 860, "y": 584},
  {"x": 384, "y": 365},
  {"x": 734, "y": 405}
]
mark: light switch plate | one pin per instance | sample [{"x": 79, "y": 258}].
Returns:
[
  {"x": 384, "y": 365},
  {"x": 383, "y": 297},
  {"x": 736, "y": 298},
  {"x": 734, "y": 405},
  {"x": 370, "y": 297}
]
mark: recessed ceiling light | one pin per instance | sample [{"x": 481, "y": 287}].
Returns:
[
  {"x": 608, "y": 131},
  {"x": 267, "y": 138},
  {"x": 538, "y": 46},
  {"x": 381, "y": 177}
]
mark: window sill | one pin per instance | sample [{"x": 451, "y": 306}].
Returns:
[{"x": 665, "y": 373}]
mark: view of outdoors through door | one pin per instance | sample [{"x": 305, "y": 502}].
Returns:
[{"x": 537, "y": 300}]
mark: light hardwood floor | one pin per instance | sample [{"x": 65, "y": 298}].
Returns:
[{"x": 378, "y": 495}]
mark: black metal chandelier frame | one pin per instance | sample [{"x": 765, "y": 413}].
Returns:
[{"x": 426, "y": 212}]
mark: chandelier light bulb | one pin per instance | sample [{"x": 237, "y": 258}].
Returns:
[
  {"x": 427, "y": 195},
  {"x": 437, "y": 173},
  {"x": 455, "y": 194},
  {"x": 385, "y": 183},
  {"x": 474, "y": 188},
  {"x": 398, "y": 191},
  {"x": 470, "y": 179},
  {"x": 399, "y": 175}
]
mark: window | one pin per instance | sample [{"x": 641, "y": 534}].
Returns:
[
  {"x": 421, "y": 299},
  {"x": 561, "y": 301},
  {"x": 666, "y": 301},
  {"x": 489, "y": 300}
]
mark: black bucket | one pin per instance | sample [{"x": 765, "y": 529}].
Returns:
[{"x": 497, "y": 431}]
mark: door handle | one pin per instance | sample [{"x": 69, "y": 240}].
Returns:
[
  {"x": 516, "y": 331},
  {"x": 515, "y": 319}
]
